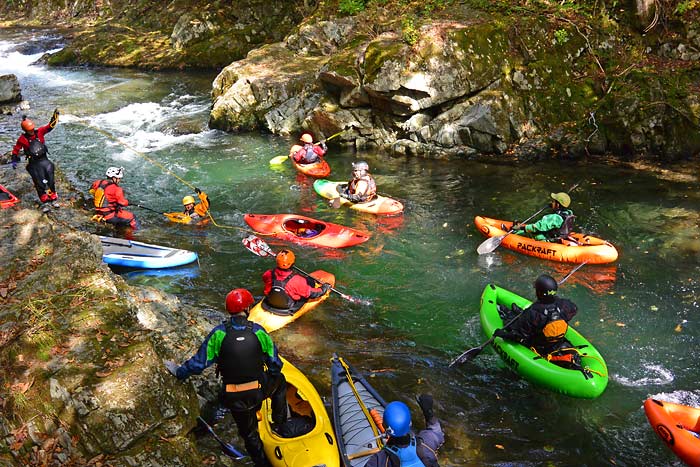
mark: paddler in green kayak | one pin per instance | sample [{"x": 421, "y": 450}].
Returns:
[
  {"x": 543, "y": 325},
  {"x": 362, "y": 188},
  {"x": 403, "y": 447},
  {"x": 552, "y": 227}
]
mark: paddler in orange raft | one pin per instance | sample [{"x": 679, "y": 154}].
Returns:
[{"x": 552, "y": 227}]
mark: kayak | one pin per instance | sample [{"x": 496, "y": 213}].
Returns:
[
  {"x": 582, "y": 248},
  {"x": 678, "y": 426},
  {"x": 273, "y": 319},
  {"x": 530, "y": 365},
  {"x": 353, "y": 399},
  {"x": 309, "y": 435},
  {"x": 379, "y": 205},
  {"x": 305, "y": 230},
  {"x": 7, "y": 199},
  {"x": 318, "y": 169},
  {"x": 182, "y": 218},
  {"x": 131, "y": 254}
]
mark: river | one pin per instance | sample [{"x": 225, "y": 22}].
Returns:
[{"x": 420, "y": 270}]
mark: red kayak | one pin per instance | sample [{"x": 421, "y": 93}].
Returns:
[
  {"x": 7, "y": 199},
  {"x": 305, "y": 230},
  {"x": 319, "y": 169}
]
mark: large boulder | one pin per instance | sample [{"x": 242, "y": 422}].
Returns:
[{"x": 10, "y": 91}]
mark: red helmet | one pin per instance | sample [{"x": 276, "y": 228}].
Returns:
[
  {"x": 239, "y": 300},
  {"x": 285, "y": 259},
  {"x": 27, "y": 125}
]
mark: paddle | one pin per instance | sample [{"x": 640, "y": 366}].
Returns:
[
  {"x": 490, "y": 244},
  {"x": 281, "y": 159},
  {"x": 149, "y": 209},
  {"x": 227, "y": 448},
  {"x": 258, "y": 247},
  {"x": 471, "y": 354}
]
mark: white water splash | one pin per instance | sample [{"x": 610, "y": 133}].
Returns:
[
  {"x": 689, "y": 398},
  {"x": 653, "y": 375}
]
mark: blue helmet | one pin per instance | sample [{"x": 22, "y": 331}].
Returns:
[{"x": 397, "y": 419}]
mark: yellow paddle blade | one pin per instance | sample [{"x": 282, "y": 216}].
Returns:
[{"x": 278, "y": 160}]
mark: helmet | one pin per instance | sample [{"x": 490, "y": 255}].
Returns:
[
  {"x": 187, "y": 200},
  {"x": 307, "y": 138},
  {"x": 360, "y": 167},
  {"x": 238, "y": 300},
  {"x": 285, "y": 259},
  {"x": 27, "y": 125},
  {"x": 397, "y": 419},
  {"x": 116, "y": 172},
  {"x": 561, "y": 198},
  {"x": 546, "y": 286}
]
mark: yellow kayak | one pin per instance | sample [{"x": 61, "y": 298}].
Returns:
[
  {"x": 182, "y": 218},
  {"x": 313, "y": 442},
  {"x": 272, "y": 321}
]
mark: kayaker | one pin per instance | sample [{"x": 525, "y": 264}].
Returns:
[
  {"x": 250, "y": 369},
  {"x": 198, "y": 211},
  {"x": 362, "y": 188},
  {"x": 544, "y": 323},
  {"x": 286, "y": 289},
  {"x": 404, "y": 448},
  {"x": 552, "y": 227},
  {"x": 109, "y": 200},
  {"x": 309, "y": 153},
  {"x": 40, "y": 168}
]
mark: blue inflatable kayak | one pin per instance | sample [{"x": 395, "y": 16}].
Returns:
[{"x": 131, "y": 254}]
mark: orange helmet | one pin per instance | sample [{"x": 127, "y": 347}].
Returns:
[
  {"x": 285, "y": 259},
  {"x": 238, "y": 300},
  {"x": 27, "y": 125},
  {"x": 307, "y": 138}
]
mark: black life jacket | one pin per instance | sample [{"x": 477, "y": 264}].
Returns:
[
  {"x": 278, "y": 297},
  {"x": 566, "y": 227},
  {"x": 555, "y": 327},
  {"x": 36, "y": 150},
  {"x": 241, "y": 358}
]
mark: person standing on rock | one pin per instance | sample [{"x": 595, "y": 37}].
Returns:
[
  {"x": 309, "y": 153},
  {"x": 40, "y": 168},
  {"x": 250, "y": 368}
]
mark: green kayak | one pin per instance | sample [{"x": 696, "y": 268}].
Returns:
[{"x": 534, "y": 368}]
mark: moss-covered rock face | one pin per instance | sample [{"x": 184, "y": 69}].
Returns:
[{"x": 81, "y": 352}]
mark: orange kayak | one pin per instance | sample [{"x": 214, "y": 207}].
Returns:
[
  {"x": 305, "y": 230},
  {"x": 7, "y": 199},
  {"x": 318, "y": 169},
  {"x": 582, "y": 247},
  {"x": 273, "y": 320},
  {"x": 678, "y": 426}
]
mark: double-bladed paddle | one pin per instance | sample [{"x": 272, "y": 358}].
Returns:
[
  {"x": 258, "y": 247},
  {"x": 490, "y": 244},
  {"x": 282, "y": 159},
  {"x": 227, "y": 448},
  {"x": 473, "y": 352}
]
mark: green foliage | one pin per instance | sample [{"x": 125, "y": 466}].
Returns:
[
  {"x": 561, "y": 36},
  {"x": 409, "y": 32},
  {"x": 685, "y": 6},
  {"x": 432, "y": 5},
  {"x": 351, "y": 7}
]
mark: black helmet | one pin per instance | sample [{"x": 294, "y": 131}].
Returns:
[{"x": 546, "y": 287}]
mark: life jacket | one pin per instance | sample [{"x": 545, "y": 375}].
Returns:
[
  {"x": 555, "y": 328},
  {"x": 310, "y": 155},
  {"x": 566, "y": 227},
  {"x": 241, "y": 358},
  {"x": 371, "y": 187},
  {"x": 278, "y": 297},
  {"x": 36, "y": 150},
  {"x": 407, "y": 456},
  {"x": 99, "y": 198}
]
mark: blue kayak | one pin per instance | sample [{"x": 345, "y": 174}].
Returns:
[{"x": 131, "y": 254}]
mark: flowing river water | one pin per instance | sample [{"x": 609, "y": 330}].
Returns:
[{"x": 420, "y": 270}]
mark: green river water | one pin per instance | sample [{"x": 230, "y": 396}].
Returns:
[{"x": 420, "y": 270}]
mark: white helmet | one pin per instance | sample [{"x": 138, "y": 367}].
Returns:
[
  {"x": 361, "y": 167},
  {"x": 115, "y": 172}
]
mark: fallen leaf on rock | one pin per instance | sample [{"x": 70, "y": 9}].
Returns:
[
  {"x": 500, "y": 446},
  {"x": 622, "y": 325},
  {"x": 22, "y": 387},
  {"x": 3, "y": 292},
  {"x": 103, "y": 374}
]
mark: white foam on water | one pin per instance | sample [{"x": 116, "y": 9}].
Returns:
[
  {"x": 689, "y": 398},
  {"x": 653, "y": 375}
]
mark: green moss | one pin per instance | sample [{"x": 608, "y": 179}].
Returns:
[{"x": 378, "y": 53}]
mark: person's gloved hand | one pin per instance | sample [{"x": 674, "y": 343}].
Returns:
[
  {"x": 323, "y": 145},
  {"x": 197, "y": 190},
  {"x": 325, "y": 288},
  {"x": 518, "y": 227},
  {"x": 171, "y": 366},
  {"x": 14, "y": 165},
  {"x": 425, "y": 402},
  {"x": 54, "y": 118},
  {"x": 15, "y": 161},
  {"x": 502, "y": 333}
]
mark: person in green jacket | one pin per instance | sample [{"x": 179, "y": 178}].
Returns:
[{"x": 552, "y": 227}]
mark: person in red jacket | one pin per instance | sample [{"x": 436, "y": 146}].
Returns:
[
  {"x": 39, "y": 166},
  {"x": 309, "y": 153},
  {"x": 287, "y": 290},
  {"x": 110, "y": 201}
]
